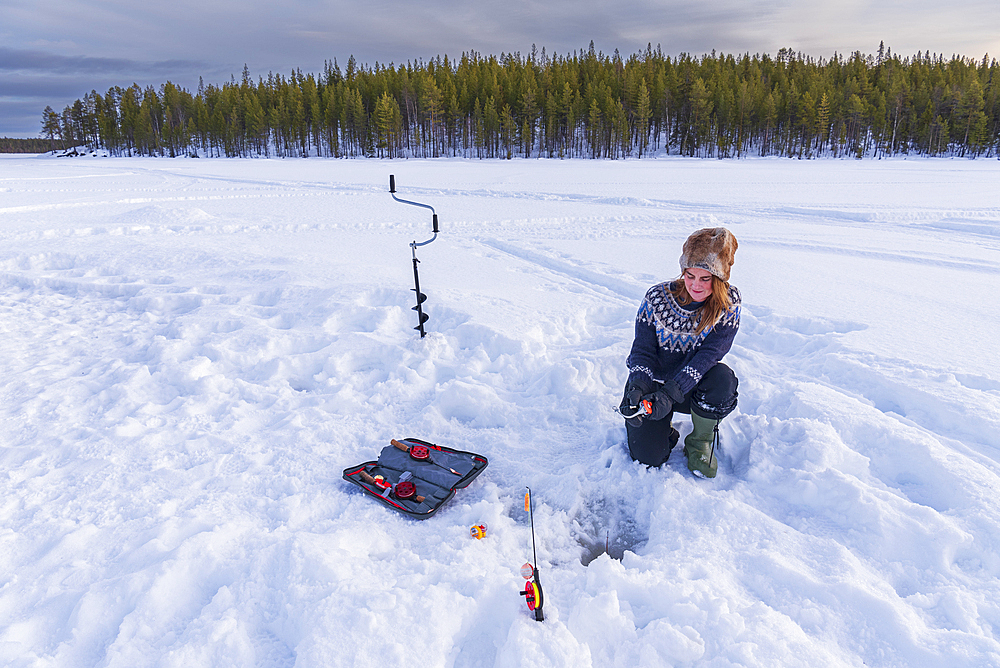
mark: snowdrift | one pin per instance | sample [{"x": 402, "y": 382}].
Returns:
[{"x": 194, "y": 350}]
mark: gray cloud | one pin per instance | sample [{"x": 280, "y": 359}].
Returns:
[
  {"x": 46, "y": 63},
  {"x": 23, "y": 115}
]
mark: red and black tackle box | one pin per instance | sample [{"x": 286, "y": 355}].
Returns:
[{"x": 416, "y": 477}]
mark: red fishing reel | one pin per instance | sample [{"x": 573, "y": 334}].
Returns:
[
  {"x": 532, "y": 591},
  {"x": 405, "y": 490},
  {"x": 532, "y": 596},
  {"x": 420, "y": 452}
]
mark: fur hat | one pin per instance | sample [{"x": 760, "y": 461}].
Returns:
[{"x": 712, "y": 249}]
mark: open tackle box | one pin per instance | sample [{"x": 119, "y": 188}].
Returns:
[{"x": 416, "y": 477}]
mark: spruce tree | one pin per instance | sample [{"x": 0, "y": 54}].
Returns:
[
  {"x": 50, "y": 126},
  {"x": 642, "y": 115}
]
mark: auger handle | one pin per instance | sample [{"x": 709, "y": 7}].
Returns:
[{"x": 434, "y": 217}]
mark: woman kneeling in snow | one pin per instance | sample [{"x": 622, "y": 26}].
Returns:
[{"x": 684, "y": 327}]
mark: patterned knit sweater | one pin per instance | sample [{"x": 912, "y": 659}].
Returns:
[{"x": 666, "y": 346}]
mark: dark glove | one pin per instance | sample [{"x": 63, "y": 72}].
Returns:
[
  {"x": 630, "y": 404},
  {"x": 673, "y": 390},
  {"x": 663, "y": 399},
  {"x": 663, "y": 405}
]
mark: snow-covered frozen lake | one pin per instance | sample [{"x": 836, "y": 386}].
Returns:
[{"x": 194, "y": 350}]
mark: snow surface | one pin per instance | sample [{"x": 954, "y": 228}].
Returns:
[{"x": 194, "y": 350}]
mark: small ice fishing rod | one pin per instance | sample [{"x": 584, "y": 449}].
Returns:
[
  {"x": 421, "y": 297},
  {"x": 421, "y": 453},
  {"x": 533, "y": 587},
  {"x": 644, "y": 408}
]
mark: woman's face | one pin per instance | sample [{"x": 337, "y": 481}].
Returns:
[{"x": 698, "y": 283}]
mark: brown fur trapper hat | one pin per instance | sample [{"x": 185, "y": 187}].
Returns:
[{"x": 712, "y": 249}]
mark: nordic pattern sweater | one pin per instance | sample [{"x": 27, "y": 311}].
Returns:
[{"x": 666, "y": 345}]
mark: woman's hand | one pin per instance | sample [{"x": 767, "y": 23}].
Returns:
[
  {"x": 663, "y": 405},
  {"x": 630, "y": 404}
]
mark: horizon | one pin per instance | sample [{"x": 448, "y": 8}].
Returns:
[{"x": 540, "y": 53}]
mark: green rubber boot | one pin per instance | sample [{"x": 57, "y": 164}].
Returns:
[{"x": 699, "y": 446}]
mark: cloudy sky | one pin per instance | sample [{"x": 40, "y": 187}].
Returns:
[{"x": 55, "y": 51}]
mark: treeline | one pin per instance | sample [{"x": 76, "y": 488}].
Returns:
[
  {"x": 586, "y": 104},
  {"x": 19, "y": 145}
]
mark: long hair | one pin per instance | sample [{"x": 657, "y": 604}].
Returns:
[{"x": 713, "y": 308}]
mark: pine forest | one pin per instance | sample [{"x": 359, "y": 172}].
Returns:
[{"x": 583, "y": 105}]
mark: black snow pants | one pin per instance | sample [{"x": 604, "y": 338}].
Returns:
[{"x": 714, "y": 398}]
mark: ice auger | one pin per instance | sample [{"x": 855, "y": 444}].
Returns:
[{"x": 421, "y": 297}]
